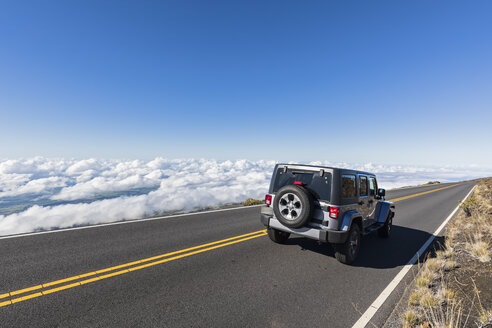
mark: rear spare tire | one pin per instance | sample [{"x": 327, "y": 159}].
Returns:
[{"x": 293, "y": 206}]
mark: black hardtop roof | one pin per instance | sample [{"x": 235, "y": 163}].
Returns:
[{"x": 318, "y": 167}]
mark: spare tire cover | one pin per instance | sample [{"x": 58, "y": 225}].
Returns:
[{"x": 293, "y": 206}]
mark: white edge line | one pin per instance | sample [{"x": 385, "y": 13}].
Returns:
[
  {"x": 128, "y": 221},
  {"x": 378, "y": 302}
]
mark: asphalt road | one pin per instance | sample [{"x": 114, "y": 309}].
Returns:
[{"x": 249, "y": 283}]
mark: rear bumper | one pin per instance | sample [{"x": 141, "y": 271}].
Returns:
[
  {"x": 326, "y": 236},
  {"x": 265, "y": 219}
]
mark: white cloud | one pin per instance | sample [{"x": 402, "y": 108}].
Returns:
[
  {"x": 177, "y": 185},
  {"x": 83, "y": 166}
]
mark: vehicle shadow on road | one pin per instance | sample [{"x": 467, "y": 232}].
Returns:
[{"x": 376, "y": 252}]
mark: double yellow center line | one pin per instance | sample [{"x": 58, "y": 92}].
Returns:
[
  {"x": 394, "y": 200},
  {"x": 45, "y": 289},
  {"x": 79, "y": 280}
]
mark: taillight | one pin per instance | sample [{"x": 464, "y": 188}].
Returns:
[
  {"x": 299, "y": 183},
  {"x": 268, "y": 199},
  {"x": 334, "y": 212}
]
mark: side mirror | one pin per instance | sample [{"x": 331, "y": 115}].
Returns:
[{"x": 381, "y": 192}]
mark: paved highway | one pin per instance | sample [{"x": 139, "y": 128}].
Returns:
[{"x": 214, "y": 269}]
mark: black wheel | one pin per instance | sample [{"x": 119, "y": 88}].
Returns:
[
  {"x": 385, "y": 230},
  {"x": 347, "y": 252},
  {"x": 277, "y": 235},
  {"x": 293, "y": 206}
]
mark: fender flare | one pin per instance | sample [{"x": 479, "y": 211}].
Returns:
[
  {"x": 348, "y": 218},
  {"x": 383, "y": 210}
]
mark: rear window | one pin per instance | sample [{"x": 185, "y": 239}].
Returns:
[{"x": 319, "y": 185}]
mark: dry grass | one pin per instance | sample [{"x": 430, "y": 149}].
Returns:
[
  {"x": 480, "y": 249},
  {"x": 486, "y": 318},
  {"x": 428, "y": 299},
  {"x": 433, "y": 302},
  {"x": 433, "y": 264},
  {"x": 485, "y": 315},
  {"x": 446, "y": 294},
  {"x": 432, "y": 182},
  {"x": 252, "y": 201},
  {"x": 410, "y": 318},
  {"x": 425, "y": 277},
  {"x": 449, "y": 252},
  {"x": 450, "y": 265},
  {"x": 469, "y": 206},
  {"x": 476, "y": 222},
  {"x": 414, "y": 298},
  {"x": 448, "y": 316},
  {"x": 445, "y": 254}
]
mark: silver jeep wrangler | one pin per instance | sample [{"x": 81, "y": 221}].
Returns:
[{"x": 328, "y": 204}]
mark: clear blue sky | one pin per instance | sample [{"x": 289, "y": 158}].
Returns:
[{"x": 358, "y": 81}]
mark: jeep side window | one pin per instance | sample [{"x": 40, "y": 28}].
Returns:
[
  {"x": 373, "y": 186},
  {"x": 362, "y": 186},
  {"x": 348, "y": 186}
]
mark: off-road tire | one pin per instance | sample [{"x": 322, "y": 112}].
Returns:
[
  {"x": 347, "y": 252},
  {"x": 278, "y": 236},
  {"x": 385, "y": 230},
  {"x": 293, "y": 206}
]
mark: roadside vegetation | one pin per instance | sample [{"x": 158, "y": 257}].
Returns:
[
  {"x": 252, "y": 201},
  {"x": 432, "y": 182},
  {"x": 453, "y": 286}
]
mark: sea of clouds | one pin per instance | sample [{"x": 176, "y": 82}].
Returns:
[{"x": 41, "y": 194}]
